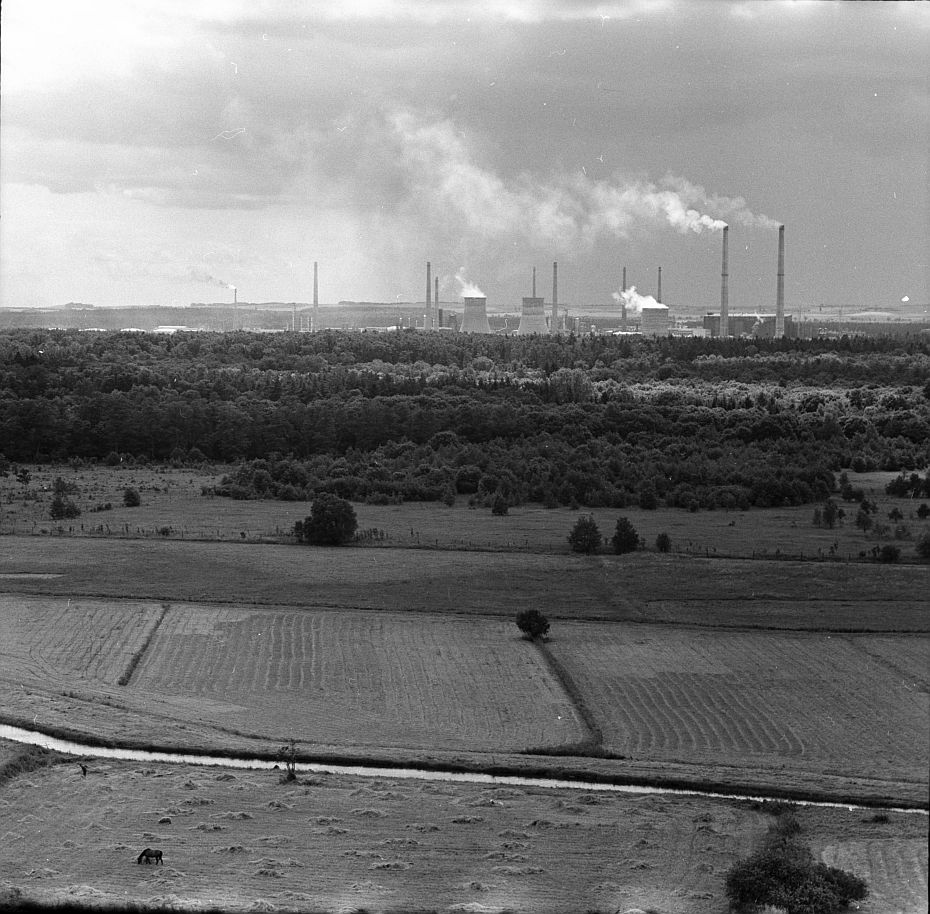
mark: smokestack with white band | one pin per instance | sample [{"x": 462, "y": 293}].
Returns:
[
  {"x": 725, "y": 288},
  {"x": 555, "y": 297},
  {"x": 428, "y": 318},
  {"x": 780, "y": 289},
  {"x": 316, "y": 296}
]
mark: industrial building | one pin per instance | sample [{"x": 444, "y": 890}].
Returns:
[
  {"x": 755, "y": 324},
  {"x": 654, "y": 320}
]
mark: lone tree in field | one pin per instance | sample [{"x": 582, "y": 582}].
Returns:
[
  {"x": 625, "y": 538},
  {"x": 532, "y": 623},
  {"x": 663, "y": 542},
  {"x": 332, "y": 522},
  {"x": 585, "y": 537},
  {"x": 131, "y": 497}
]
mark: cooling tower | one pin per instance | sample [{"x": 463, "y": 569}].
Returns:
[
  {"x": 780, "y": 290},
  {"x": 725, "y": 289},
  {"x": 654, "y": 320},
  {"x": 475, "y": 318},
  {"x": 533, "y": 318}
]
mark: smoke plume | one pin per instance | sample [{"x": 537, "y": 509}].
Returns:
[
  {"x": 563, "y": 211},
  {"x": 202, "y": 276},
  {"x": 634, "y": 301},
  {"x": 467, "y": 289}
]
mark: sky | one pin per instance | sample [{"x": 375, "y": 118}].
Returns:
[{"x": 163, "y": 151}]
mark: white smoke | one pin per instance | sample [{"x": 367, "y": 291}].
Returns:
[
  {"x": 562, "y": 211},
  {"x": 467, "y": 289},
  {"x": 634, "y": 301},
  {"x": 203, "y": 276}
]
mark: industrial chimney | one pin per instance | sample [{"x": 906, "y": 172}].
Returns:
[
  {"x": 436, "y": 298},
  {"x": 659, "y": 291},
  {"x": 316, "y": 297},
  {"x": 555, "y": 297},
  {"x": 780, "y": 289},
  {"x": 725, "y": 289},
  {"x": 428, "y": 319},
  {"x": 475, "y": 317},
  {"x": 534, "y": 282},
  {"x": 623, "y": 302}
]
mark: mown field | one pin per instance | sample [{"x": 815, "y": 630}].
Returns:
[
  {"x": 787, "y": 709},
  {"x": 172, "y": 506},
  {"x": 770, "y": 700},
  {"x": 335, "y": 843}
]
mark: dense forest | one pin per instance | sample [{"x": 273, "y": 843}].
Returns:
[{"x": 591, "y": 420}]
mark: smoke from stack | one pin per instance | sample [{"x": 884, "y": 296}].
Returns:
[
  {"x": 780, "y": 288},
  {"x": 725, "y": 288},
  {"x": 631, "y": 302},
  {"x": 467, "y": 289}
]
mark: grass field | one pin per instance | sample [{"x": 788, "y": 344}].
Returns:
[
  {"x": 334, "y": 843},
  {"x": 762, "y": 699},
  {"x": 172, "y": 502}
]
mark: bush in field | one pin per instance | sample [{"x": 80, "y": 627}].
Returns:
[
  {"x": 532, "y": 623},
  {"x": 784, "y": 874},
  {"x": 499, "y": 506},
  {"x": 625, "y": 538},
  {"x": 585, "y": 536},
  {"x": 332, "y": 522},
  {"x": 922, "y": 546},
  {"x": 889, "y": 554},
  {"x": 63, "y": 507},
  {"x": 131, "y": 497},
  {"x": 663, "y": 542}
]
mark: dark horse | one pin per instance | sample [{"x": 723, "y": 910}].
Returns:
[{"x": 150, "y": 854}]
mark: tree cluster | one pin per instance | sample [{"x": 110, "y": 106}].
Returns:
[{"x": 595, "y": 421}]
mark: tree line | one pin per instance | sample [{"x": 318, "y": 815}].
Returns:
[{"x": 597, "y": 421}]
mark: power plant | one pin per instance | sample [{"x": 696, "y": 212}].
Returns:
[
  {"x": 533, "y": 315},
  {"x": 475, "y": 316}
]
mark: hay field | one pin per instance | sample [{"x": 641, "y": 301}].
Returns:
[
  {"x": 58, "y": 639},
  {"x": 334, "y": 843},
  {"x": 328, "y": 678},
  {"x": 767, "y": 700},
  {"x": 345, "y": 678}
]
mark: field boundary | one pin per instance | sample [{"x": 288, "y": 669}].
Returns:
[
  {"x": 134, "y": 661},
  {"x": 470, "y": 613}
]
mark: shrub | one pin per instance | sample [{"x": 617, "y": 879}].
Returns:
[
  {"x": 889, "y": 554},
  {"x": 332, "y": 522},
  {"x": 499, "y": 506},
  {"x": 62, "y": 507},
  {"x": 663, "y": 542},
  {"x": 532, "y": 623},
  {"x": 922, "y": 547},
  {"x": 131, "y": 497},
  {"x": 625, "y": 538},
  {"x": 585, "y": 536}
]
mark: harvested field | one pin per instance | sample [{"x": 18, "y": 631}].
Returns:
[
  {"x": 362, "y": 679},
  {"x": 771, "y": 700},
  {"x": 338, "y": 844},
  {"x": 56, "y": 639}
]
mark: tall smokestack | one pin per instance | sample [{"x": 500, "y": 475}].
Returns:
[
  {"x": 659, "y": 291},
  {"x": 428, "y": 319},
  {"x": 534, "y": 282},
  {"x": 725, "y": 288},
  {"x": 235, "y": 296},
  {"x": 623, "y": 303},
  {"x": 555, "y": 296},
  {"x": 780, "y": 289},
  {"x": 316, "y": 296},
  {"x": 436, "y": 296}
]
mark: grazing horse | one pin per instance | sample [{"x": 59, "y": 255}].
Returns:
[{"x": 150, "y": 854}]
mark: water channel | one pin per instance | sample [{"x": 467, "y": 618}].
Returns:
[{"x": 37, "y": 738}]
